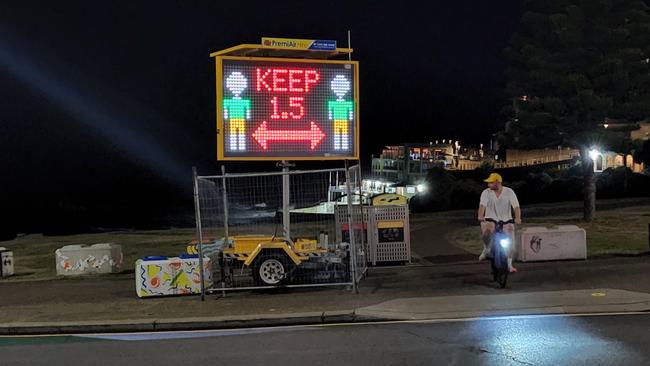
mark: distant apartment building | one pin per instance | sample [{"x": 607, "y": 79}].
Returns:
[
  {"x": 409, "y": 163},
  {"x": 562, "y": 157},
  {"x": 638, "y": 131}
]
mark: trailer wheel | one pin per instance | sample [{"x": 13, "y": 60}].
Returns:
[{"x": 271, "y": 269}]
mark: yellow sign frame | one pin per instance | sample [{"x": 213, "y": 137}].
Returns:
[{"x": 219, "y": 109}]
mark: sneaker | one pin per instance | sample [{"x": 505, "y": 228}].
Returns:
[
  {"x": 483, "y": 255},
  {"x": 513, "y": 270}
]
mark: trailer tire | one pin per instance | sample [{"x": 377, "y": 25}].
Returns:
[{"x": 271, "y": 269}]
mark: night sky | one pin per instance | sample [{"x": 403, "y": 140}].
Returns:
[{"x": 105, "y": 107}]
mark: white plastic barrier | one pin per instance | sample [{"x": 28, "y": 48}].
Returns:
[
  {"x": 6, "y": 262},
  {"x": 161, "y": 276},
  {"x": 83, "y": 259},
  {"x": 561, "y": 242}
]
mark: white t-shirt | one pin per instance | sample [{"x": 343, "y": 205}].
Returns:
[{"x": 499, "y": 209}]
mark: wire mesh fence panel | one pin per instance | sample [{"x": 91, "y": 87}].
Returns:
[
  {"x": 211, "y": 209},
  {"x": 359, "y": 238},
  {"x": 273, "y": 229},
  {"x": 359, "y": 221}
]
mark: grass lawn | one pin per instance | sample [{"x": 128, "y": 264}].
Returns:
[
  {"x": 615, "y": 231},
  {"x": 622, "y": 231},
  {"x": 34, "y": 257},
  {"x": 34, "y": 254}
]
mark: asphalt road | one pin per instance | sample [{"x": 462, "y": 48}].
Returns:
[{"x": 536, "y": 340}]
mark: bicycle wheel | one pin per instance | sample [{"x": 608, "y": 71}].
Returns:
[{"x": 502, "y": 277}]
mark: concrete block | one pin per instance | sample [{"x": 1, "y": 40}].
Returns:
[
  {"x": 543, "y": 244},
  {"x": 83, "y": 259},
  {"x": 6, "y": 262}
]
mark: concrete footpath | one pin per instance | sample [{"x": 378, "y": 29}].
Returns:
[
  {"x": 525, "y": 303},
  {"x": 109, "y": 303},
  {"x": 423, "y": 308}
]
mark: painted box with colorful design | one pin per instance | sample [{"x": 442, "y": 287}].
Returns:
[
  {"x": 84, "y": 259},
  {"x": 163, "y": 276}
]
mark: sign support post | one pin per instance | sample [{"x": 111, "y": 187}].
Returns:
[
  {"x": 286, "y": 200},
  {"x": 199, "y": 230},
  {"x": 353, "y": 247}
]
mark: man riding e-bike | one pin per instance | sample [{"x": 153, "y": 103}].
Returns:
[{"x": 497, "y": 203}]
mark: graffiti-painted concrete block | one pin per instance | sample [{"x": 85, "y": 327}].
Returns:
[
  {"x": 162, "y": 276},
  {"x": 83, "y": 259},
  {"x": 543, "y": 244},
  {"x": 6, "y": 262}
]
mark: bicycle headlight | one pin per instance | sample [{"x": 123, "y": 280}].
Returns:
[{"x": 505, "y": 243}]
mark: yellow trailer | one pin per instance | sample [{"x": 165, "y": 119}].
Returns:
[{"x": 273, "y": 260}]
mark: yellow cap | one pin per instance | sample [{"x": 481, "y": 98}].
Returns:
[{"x": 494, "y": 177}]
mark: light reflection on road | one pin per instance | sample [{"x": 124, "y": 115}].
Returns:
[{"x": 547, "y": 340}]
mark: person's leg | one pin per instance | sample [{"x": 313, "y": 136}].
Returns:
[
  {"x": 241, "y": 144},
  {"x": 510, "y": 230},
  {"x": 338, "y": 129},
  {"x": 344, "y": 136},
  {"x": 487, "y": 228},
  {"x": 232, "y": 136}
]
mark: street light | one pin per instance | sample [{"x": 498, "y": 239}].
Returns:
[{"x": 594, "y": 154}]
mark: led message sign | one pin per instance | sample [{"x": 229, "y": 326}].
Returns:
[{"x": 286, "y": 109}]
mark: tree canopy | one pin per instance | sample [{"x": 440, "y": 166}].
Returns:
[{"x": 574, "y": 65}]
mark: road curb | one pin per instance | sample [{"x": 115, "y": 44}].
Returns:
[
  {"x": 75, "y": 328},
  {"x": 264, "y": 321},
  {"x": 133, "y": 326}
]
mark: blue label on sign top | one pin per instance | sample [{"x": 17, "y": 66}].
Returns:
[{"x": 323, "y": 45}]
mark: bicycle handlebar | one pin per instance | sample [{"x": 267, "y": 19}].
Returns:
[{"x": 511, "y": 221}]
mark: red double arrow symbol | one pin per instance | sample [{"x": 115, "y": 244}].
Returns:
[{"x": 314, "y": 135}]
